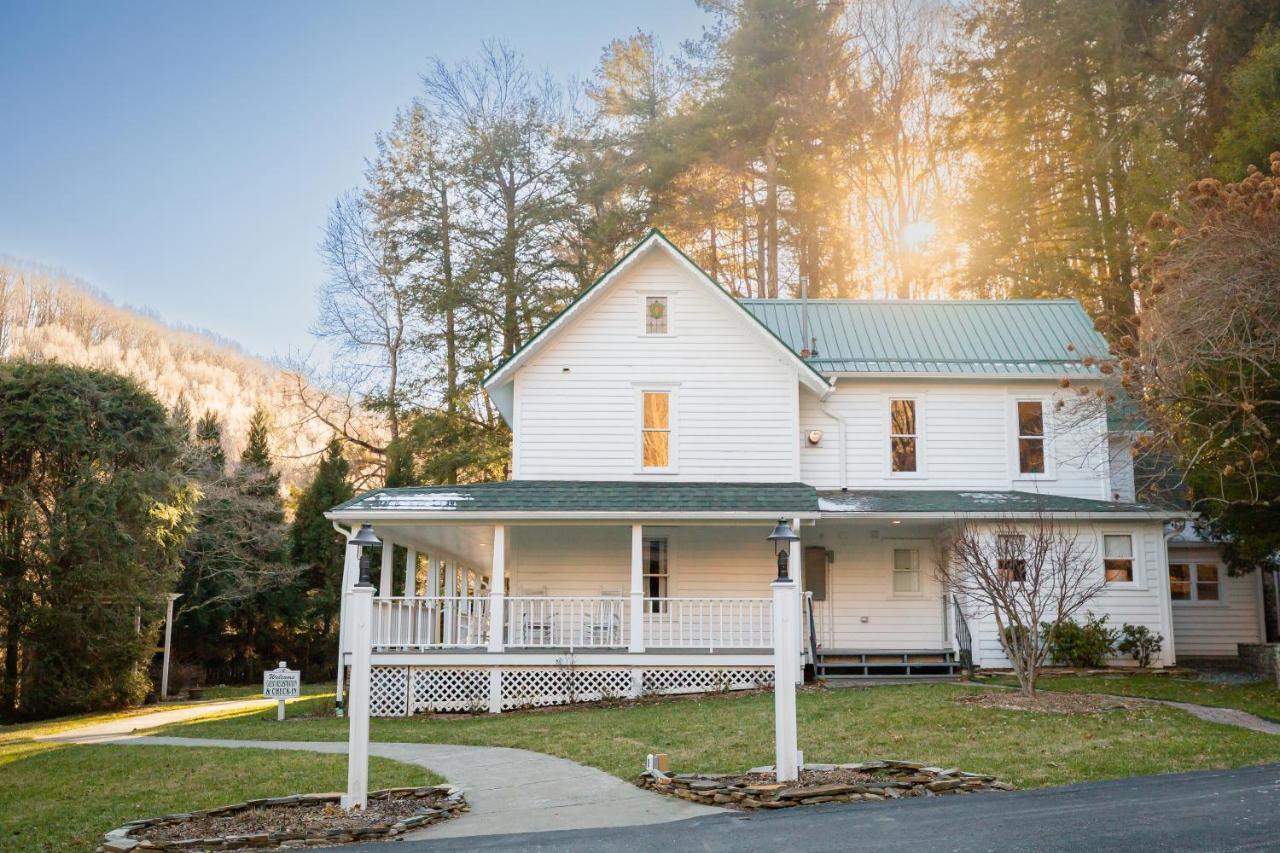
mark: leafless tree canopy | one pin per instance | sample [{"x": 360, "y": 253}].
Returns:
[{"x": 1025, "y": 573}]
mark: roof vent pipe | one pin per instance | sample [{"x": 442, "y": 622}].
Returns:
[{"x": 805, "y": 350}]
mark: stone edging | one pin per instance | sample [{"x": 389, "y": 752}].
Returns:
[
  {"x": 902, "y": 779},
  {"x": 121, "y": 840}
]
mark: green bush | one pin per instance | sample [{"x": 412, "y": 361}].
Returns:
[
  {"x": 1140, "y": 642},
  {"x": 1081, "y": 645}
]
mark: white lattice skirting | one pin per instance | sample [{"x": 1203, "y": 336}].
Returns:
[{"x": 401, "y": 690}]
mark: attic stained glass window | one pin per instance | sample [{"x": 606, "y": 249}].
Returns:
[{"x": 655, "y": 315}]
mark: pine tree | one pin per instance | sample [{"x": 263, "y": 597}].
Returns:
[{"x": 319, "y": 549}]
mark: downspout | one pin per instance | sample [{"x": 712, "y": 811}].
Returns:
[
  {"x": 1176, "y": 526},
  {"x": 843, "y": 447}
]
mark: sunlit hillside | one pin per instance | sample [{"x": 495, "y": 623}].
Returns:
[{"x": 47, "y": 316}]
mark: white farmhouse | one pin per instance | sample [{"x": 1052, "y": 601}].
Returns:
[{"x": 661, "y": 428}]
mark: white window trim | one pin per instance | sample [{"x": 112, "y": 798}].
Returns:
[
  {"x": 672, "y": 389},
  {"x": 886, "y": 403},
  {"x": 1194, "y": 600},
  {"x": 1015, "y": 462},
  {"x": 1139, "y": 576},
  {"x": 918, "y": 592},
  {"x": 670, "y": 296}
]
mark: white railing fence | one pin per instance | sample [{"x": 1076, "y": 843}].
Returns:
[
  {"x": 572, "y": 622},
  {"x": 579, "y": 622},
  {"x": 708, "y": 623},
  {"x": 440, "y": 622}
]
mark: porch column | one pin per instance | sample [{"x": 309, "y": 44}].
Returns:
[
  {"x": 637, "y": 589},
  {"x": 498, "y": 584},
  {"x": 796, "y": 558},
  {"x": 384, "y": 579},
  {"x": 450, "y": 600},
  {"x": 411, "y": 574},
  {"x": 433, "y": 592},
  {"x": 349, "y": 570}
]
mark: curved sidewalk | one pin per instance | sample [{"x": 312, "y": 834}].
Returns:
[{"x": 510, "y": 790}]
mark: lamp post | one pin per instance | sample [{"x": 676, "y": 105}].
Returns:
[
  {"x": 785, "y": 656},
  {"x": 360, "y": 614}
]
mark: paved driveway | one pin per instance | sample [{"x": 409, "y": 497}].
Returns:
[{"x": 1215, "y": 810}]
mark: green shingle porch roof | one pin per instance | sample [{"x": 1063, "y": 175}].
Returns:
[
  {"x": 953, "y": 337},
  {"x": 560, "y": 498},
  {"x": 971, "y": 502}
]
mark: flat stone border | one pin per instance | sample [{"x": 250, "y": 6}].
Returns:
[
  {"x": 121, "y": 840},
  {"x": 894, "y": 780}
]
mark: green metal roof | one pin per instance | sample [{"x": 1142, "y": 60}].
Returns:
[
  {"x": 586, "y": 496},
  {"x": 908, "y": 501},
  {"x": 952, "y": 337}
]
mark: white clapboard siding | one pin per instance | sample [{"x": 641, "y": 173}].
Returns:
[
  {"x": 577, "y": 401},
  {"x": 860, "y": 585},
  {"x": 1215, "y": 628},
  {"x": 967, "y": 439},
  {"x": 1143, "y": 604}
]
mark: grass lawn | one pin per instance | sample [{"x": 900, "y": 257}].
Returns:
[
  {"x": 57, "y": 796},
  {"x": 1260, "y": 698},
  {"x": 727, "y": 733}
]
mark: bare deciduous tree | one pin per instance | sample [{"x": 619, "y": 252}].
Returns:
[{"x": 1026, "y": 573}]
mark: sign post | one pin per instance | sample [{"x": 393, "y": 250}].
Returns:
[{"x": 280, "y": 684}]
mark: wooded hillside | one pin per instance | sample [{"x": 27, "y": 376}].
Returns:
[{"x": 45, "y": 316}]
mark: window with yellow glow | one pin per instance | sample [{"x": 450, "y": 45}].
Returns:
[{"x": 655, "y": 433}]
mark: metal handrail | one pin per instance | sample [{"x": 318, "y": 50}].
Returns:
[{"x": 964, "y": 640}]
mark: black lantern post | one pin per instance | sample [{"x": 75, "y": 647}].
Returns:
[
  {"x": 364, "y": 540},
  {"x": 782, "y": 537}
]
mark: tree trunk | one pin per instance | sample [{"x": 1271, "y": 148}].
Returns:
[
  {"x": 771, "y": 217},
  {"x": 450, "y": 319}
]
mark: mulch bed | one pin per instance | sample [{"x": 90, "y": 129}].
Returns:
[
  {"x": 1054, "y": 703},
  {"x": 820, "y": 783},
  {"x": 302, "y": 820}
]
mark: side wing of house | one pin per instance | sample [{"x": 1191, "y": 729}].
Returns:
[
  {"x": 1213, "y": 611},
  {"x": 661, "y": 359}
]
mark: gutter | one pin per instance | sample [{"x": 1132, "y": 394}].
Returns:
[
  {"x": 840, "y": 430},
  {"x": 480, "y": 517}
]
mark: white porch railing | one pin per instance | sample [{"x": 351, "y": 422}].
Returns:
[
  {"x": 572, "y": 622},
  {"x": 708, "y": 623},
  {"x": 579, "y": 622},
  {"x": 442, "y": 622}
]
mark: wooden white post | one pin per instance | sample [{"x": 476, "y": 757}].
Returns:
[
  {"x": 433, "y": 592},
  {"x": 411, "y": 573},
  {"x": 384, "y": 579},
  {"x": 785, "y": 664},
  {"x": 360, "y": 612},
  {"x": 168, "y": 642},
  {"x": 498, "y": 584},
  {"x": 796, "y": 561},
  {"x": 637, "y": 589},
  {"x": 349, "y": 571},
  {"x": 450, "y": 605}
]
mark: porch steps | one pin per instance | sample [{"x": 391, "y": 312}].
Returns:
[{"x": 848, "y": 664}]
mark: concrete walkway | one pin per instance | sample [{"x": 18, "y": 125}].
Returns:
[
  {"x": 510, "y": 790},
  {"x": 1226, "y": 716},
  {"x": 112, "y": 729}
]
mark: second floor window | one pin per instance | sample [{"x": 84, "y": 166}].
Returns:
[
  {"x": 656, "y": 321},
  {"x": 655, "y": 431},
  {"x": 1030, "y": 437},
  {"x": 903, "y": 440}
]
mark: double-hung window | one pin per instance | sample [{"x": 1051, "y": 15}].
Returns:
[
  {"x": 1194, "y": 582},
  {"x": 655, "y": 430},
  {"x": 906, "y": 570},
  {"x": 904, "y": 440},
  {"x": 1011, "y": 562},
  {"x": 1117, "y": 557},
  {"x": 1031, "y": 437},
  {"x": 655, "y": 574}
]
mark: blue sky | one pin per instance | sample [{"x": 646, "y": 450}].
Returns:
[{"x": 182, "y": 157}]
